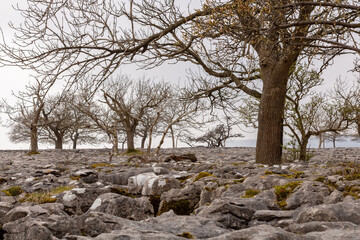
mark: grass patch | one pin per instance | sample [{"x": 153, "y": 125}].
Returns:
[
  {"x": 352, "y": 191},
  {"x": 238, "y": 181},
  {"x": 250, "y": 193},
  {"x": 45, "y": 197},
  {"x": 320, "y": 179},
  {"x": 13, "y": 191},
  {"x": 32, "y": 153},
  {"x": 295, "y": 175},
  {"x": 350, "y": 173},
  {"x": 97, "y": 165},
  {"x": 75, "y": 178},
  {"x": 131, "y": 152},
  {"x": 283, "y": 192},
  {"x": 202, "y": 175}
]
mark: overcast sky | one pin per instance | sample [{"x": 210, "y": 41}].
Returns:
[{"x": 14, "y": 79}]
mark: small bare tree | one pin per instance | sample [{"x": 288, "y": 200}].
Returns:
[
  {"x": 102, "y": 118},
  {"x": 131, "y": 101},
  {"x": 25, "y": 115},
  {"x": 217, "y": 136}
]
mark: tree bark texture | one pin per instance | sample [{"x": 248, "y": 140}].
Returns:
[
  {"x": 270, "y": 132},
  {"x": 59, "y": 141},
  {"x": 34, "y": 139},
  {"x": 130, "y": 135},
  {"x": 303, "y": 145}
]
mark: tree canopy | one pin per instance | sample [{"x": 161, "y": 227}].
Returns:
[{"x": 250, "y": 45}]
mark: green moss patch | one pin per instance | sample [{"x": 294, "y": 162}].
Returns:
[
  {"x": 352, "y": 191},
  {"x": 238, "y": 181},
  {"x": 295, "y": 175},
  {"x": 97, "y": 165},
  {"x": 180, "y": 207},
  {"x": 183, "y": 178},
  {"x": 13, "y": 191},
  {"x": 283, "y": 192},
  {"x": 350, "y": 173},
  {"x": 202, "y": 175},
  {"x": 320, "y": 179},
  {"x": 250, "y": 193},
  {"x": 186, "y": 235},
  {"x": 121, "y": 192},
  {"x": 131, "y": 152}
]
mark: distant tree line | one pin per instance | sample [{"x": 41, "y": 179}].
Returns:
[{"x": 120, "y": 111}]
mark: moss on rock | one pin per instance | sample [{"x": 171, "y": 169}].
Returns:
[
  {"x": 13, "y": 191},
  {"x": 186, "y": 235},
  {"x": 284, "y": 191},
  {"x": 202, "y": 175}
]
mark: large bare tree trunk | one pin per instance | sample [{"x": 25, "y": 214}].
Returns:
[
  {"x": 59, "y": 142},
  {"x": 115, "y": 148},
  {"x": 303, "y": 145},
  {"x": 33, "y": 138},
  {"x": 130, "y": 135},
  {"x": 270, "y": 133}
]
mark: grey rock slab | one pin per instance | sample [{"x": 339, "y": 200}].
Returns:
[
  {"x": 260, "y": 232},
  {"x": 5, "y": 207},
  {"x": 333, "y": 234},
  {"x": 136, "y": 235},
  {"x": 199, "y": 227},
  {"x": 231, "y": 214},
  {"x": 335, "y": 197},
  {"x": 182, "y": 201},
  {"x": 121, "y": 177},
  {"x": 158, "y": 185},
  {"x": 45, "y": 220},
  {"x": 304, "y": 228},
  {"x": 309, "y": 193},
  {"x": 343, "y": 211},
  {"x": 122, "y": 206},
  {"x": 78, "y": 200},
  {"x": 268, "y": 215}
]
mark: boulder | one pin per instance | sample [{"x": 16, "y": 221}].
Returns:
[
  {"x": 261, "y": 232},
  {"x": 38, "y": 222},
  {"x": 159, "y": 184},
  {"x": 304, "y": 228},
  {"x": 121, "y": 177},
  {"x": 123, "y": 206},
  {"x": 78, "y": 200},
  {"x": 339, "y": 212},
  {"x": 231, "y": 213},
  {"x": 334, "y": 234},
  {"x": 309, "y": 193},
  {"x": 182, "y": 201}
]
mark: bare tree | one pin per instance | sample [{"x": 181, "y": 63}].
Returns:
[
  {"x": 217, "y": 136},
  {"x": 131, "y": 100},
  {"x": 231, "y": 40},
  {"x": 25, "y": 115},
  {"x": 183, "y": 112},
  {"x": 102, "y": 117}
]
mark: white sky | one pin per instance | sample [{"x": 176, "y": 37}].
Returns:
[{"x": 14, "y": 79}]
